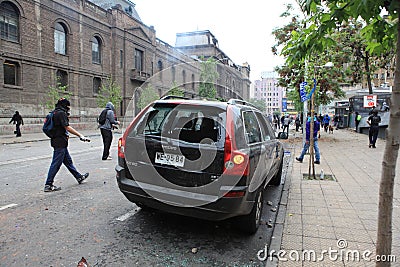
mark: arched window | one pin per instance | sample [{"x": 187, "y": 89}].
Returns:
[
  {"x": 60, "y": 39},
  {"x": 183, "y": 77},
  {"x": 96, "y": 50},
  {"x": 9, "y": 21},
  {"x": 160, "y": 65}
]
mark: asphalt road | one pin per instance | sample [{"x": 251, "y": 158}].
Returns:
[{"x": 94, "y": 220}]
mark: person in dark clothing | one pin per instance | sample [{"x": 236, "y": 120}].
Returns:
[
  {"x": 60, "y": 145},
  {"x": 297, "y": 122},
  {"x": 373, "y": 121},
  {"x": 282, "y": 121},
  {"x": 17, "y": 120},
  {"x": 316, "y": 135},
  {"x": 106, "y": 131},
  {"x": 320, "y": 119}
]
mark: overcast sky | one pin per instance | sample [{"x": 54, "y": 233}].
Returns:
[{"x": 242, "y": 28}]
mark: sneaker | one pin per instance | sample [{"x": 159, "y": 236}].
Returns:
[
  {"x": 317, "y": 162},
  {"x": 299, "y": 160},
  {"x": 51, "y": 188},
  {"x": 82, "y": 178},
  {"x": 108, "y": 158}
]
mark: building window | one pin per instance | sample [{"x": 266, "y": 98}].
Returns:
[
  {"x": 62, "y": 78},
  {"x": 184, "y": 77},
  {"x": 193, "y": 83},
  {"x": 9, "y": 21},
  {"x": 121, "y": 58},
  {"x": 11, "y": 73},
  {"x": 60, "y": 39},
  {"x": 96, "y": 85},
  {"x": 96, "y": 50},
  {"x": 173, "y": 72},
  {"x": 159, "y": 65},
  {"x": 138, "y": 60}
]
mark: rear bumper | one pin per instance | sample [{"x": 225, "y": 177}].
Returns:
[{"x": 216, "y": 208}]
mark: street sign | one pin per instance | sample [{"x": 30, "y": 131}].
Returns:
[
  {"x": 370, "y": 101},
  {"x": 303, "y": 94}
]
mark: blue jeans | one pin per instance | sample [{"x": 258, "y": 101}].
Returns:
[
  {"x": 60, "y": 156},
  {"x": 316, "y": 148}
]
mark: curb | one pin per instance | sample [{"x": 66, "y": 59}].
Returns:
[{"x": 277, "y": 233}]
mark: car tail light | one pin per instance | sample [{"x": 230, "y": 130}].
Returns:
[
  {"x": 235, "y": 162},
  {"x": 121, "y": 148}
]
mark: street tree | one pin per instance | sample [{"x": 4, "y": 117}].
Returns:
[
  {"x": 380, "y": 33},
  {"x": 147, "y": 95},
  {"x": 293, "y": 72},
  {"x": 258, "y": 103},
  {"x": 208, "y": 78},
  {"x": 56, "y": 92},
  {"x": 109, "y": 91}
]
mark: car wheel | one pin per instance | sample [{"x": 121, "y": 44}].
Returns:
[
  {"x": 276, "y": 180},
  {"x": 249, "y": 223}
]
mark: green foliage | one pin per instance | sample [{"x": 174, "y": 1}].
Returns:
[
  {"x": 56, "y": 92},
  {"x": 208, "y": 78},
  {"x": 147, "y": 96},
  {"x": 176, "y": 90},
  {"x": 258, "y": 103},
  {"x": 109, "y": 91}
]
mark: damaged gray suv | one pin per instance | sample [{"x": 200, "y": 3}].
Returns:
[{"x": 205, "y": 159}]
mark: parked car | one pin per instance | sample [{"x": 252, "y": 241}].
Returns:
[{"x": 205, "y": 159}]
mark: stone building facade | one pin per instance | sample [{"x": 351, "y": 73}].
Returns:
[{"x": 82, "y": 44}]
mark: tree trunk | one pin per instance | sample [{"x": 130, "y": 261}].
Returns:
[
  {"x": 384, "y": 238},
  {"x": 368, "y": 72}
]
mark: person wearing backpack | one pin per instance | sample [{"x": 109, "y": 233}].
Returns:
[
  {"x": 373, "y": 122},
  {"x": 59, "y": 142},
  {"x": 105, "y": 129}
]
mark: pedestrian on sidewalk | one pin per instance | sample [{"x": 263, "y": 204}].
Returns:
[
  {"x": 59, "y": 142},
  {"x": 106, "y": 130},
  {"x": 326, "y": 121},
  {"x": 297, "y": 122},
  {"x": 357, "y": 120},
  {"x": 316, "y": 135},
  {"x": 373, "y": 121},
  {"x": 286, "y": 123},
  {"x": 17, "y": 120}
]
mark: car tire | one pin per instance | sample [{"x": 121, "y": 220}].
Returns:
[
  {"x": 276, "y": 180},
  {"x": 250, "y": 223}
]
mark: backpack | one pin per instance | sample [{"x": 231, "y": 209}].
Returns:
[
  {"x": 48, "y": 125},
  {"x": 102, "y": 117}
]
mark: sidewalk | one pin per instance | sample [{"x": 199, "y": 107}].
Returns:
[
  {"x": 341, "y": 214},
  {"x": 35, "y": 137}
]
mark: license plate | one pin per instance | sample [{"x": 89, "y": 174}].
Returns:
[{"x": 170, "y": 159}]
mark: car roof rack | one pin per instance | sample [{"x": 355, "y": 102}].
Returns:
[
  {"x": 173, "y": 97},
  {"x": 234, "y": 101}
]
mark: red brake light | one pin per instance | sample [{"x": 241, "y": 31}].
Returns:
[
  {"x": 121, "y": 148},
  {"x": 235, "y": 161}
]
